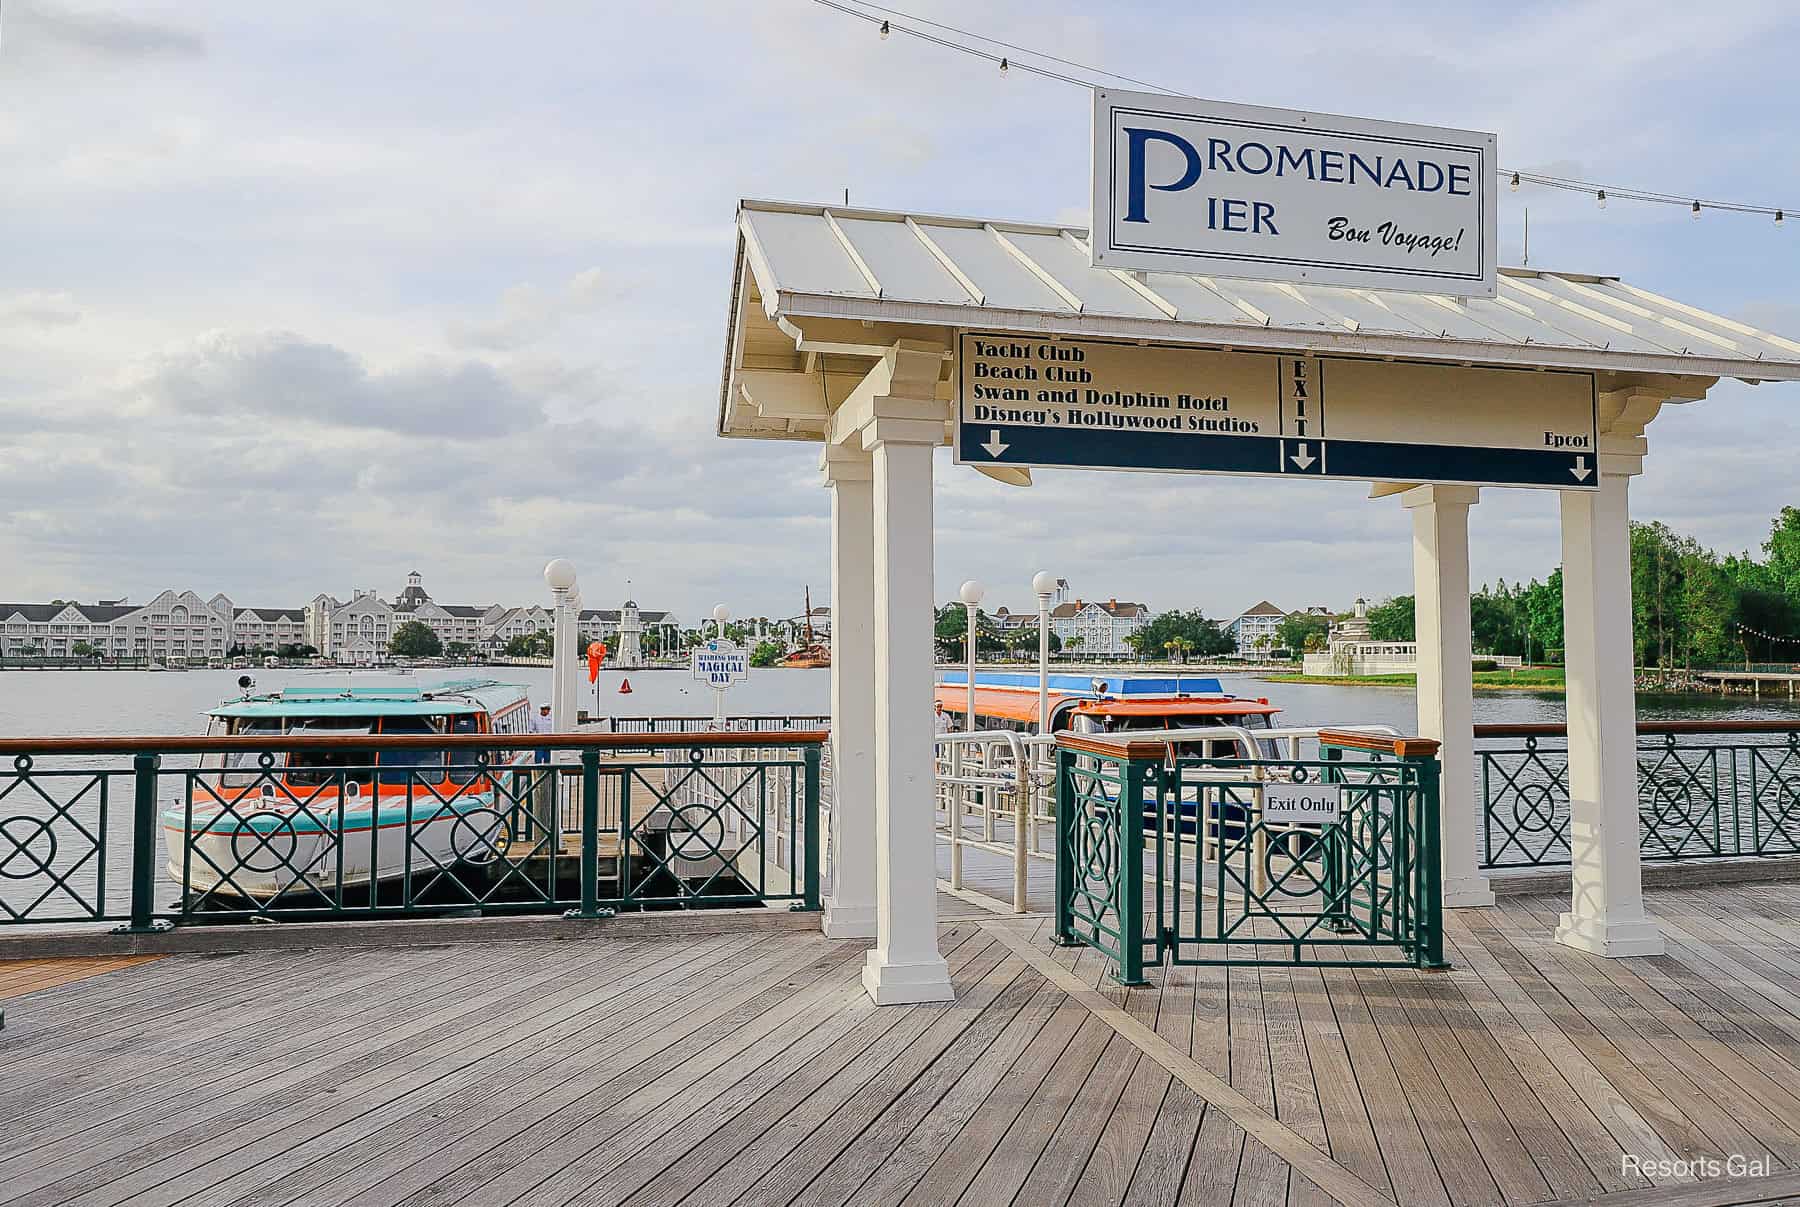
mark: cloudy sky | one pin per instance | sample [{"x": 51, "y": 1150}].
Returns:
[{"x": 298, "y": 297}]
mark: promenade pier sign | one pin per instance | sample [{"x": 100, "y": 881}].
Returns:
[
  {"x": 1230, "y": 190},
  {"x": 1092, "y": 404}
]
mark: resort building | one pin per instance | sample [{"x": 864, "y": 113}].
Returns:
[
  {"x": 269, "y": 628},
  {"x": 1092, "y": 628},
  {"x": 357, "y": 633},
  {"x": 179, "y": 625},
  {"x": 176, "y": 625},
  {"x": 1254, "y": 628}
]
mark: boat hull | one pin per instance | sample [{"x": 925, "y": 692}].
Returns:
[{"x": 263, "y": 852}]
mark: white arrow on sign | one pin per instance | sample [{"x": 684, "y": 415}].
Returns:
[
  {"x": 1303, "y": 458},
  {"x": 993, "y": 445},
  {"x": 1581, "y": 470}
]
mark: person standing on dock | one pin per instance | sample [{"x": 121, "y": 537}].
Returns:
[{"x": 541, "y": 724}]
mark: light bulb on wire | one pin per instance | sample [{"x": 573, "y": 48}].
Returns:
[
  {"x": 1003, "y": 66},
  {"x": 1600, "y": 199},
  {"x": 1515, "y": 182},
  {"x": 1696, "y": 211},
  {"x": 885, "y": 31},
  {"x": 1780, "y": 218}
]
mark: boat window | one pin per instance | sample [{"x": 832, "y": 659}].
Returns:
[
  {"x": 398, "y": 766},
  {"x": 464, "y": 760},
  {"x": 307, "y": 768},
  {"x": 241, "y": 767}
]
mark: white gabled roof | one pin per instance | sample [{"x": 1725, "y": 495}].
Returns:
[{"x": 829, "y": 262}]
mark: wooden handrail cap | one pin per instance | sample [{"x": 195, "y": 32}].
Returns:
[{"x": 1379, "y": 743}]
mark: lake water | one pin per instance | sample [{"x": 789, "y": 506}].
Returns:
[
  {"x": 151, "y": 704},
  {"x": 111, "y": 703}
]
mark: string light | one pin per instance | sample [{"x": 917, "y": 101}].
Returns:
[
  {"x": 1759, "y": 634},
  {"x": 921, "y": 27}
]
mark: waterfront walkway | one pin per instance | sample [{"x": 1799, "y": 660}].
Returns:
[{"x": 750, "y": 1068}]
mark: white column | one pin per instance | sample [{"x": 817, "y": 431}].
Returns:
[
  {"x": 1606, "y": 908},
  {"x": 1446, "y": 692},
  {"x": 905, "y": 965},
  {"x": 850, "y": 895},
  {"x": 559, "y": 576}
]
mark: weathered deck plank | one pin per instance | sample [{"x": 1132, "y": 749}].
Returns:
[{"x": 749, "y": 1068}]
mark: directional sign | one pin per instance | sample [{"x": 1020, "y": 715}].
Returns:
[
  {"x": 720, "y": 662},
  {"x": 1023, "y": 400}
]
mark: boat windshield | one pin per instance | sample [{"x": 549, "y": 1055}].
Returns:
[
  {"x": 465, "y": 761},
  {"x": 309, "y": 767},
  {"x": 240, "y": 768},
  {"x": 1224, "y": 748},
  {"x": 400, "y": 766}
]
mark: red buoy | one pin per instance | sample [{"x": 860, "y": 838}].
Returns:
[{"x": 624, "y": 687}]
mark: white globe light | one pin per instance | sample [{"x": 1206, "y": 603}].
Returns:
[
  {"x": 559, "y": 574},
  {"x": 972, "y": 592},
  {"x": 721, "y": 613},
  {"x": 1043, "y": 583}
]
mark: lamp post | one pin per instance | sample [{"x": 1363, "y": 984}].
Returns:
[
  {"x": 559, "y": 576},
  {"x": 971, "y": 594},
  {"x": 1043, "y": 584},
  {"x": 720, "y": 614}
]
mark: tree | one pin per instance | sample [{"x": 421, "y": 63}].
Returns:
[
  {"x": 1203, "y": 637},
  {"x": 415, "y": 639},
  {"x": 1542, "y": 606},
  {"x": 529, "y": 645},
  {"x": 1302, "y": 631},
  {"x": 82, "y": 649},
  {"x": 459, "y": 649},
  {"x": 766, "y": 653},
  {"x": 1393, "y": 620},
  {"x": 1783, "y": 548},
  {"x": 951, "y": 632}
]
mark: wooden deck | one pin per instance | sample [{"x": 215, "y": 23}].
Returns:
[{"x": 750, "y": 1068}]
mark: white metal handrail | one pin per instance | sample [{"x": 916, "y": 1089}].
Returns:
[{"x": 1002, "y": 783}]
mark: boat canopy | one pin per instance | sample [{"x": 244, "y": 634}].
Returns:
[
  {"x": 457, "y": 697},
  {"x": 1094, "y": 686}
]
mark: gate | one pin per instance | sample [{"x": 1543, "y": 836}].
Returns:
[{"x": 1170, "y": 857}]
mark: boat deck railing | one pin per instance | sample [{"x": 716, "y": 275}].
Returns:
[{"x": 147, "y": 832}]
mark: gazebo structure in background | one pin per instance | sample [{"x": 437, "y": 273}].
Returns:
[{"x": 844, "y": 331}]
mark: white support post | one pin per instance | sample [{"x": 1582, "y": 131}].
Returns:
[
  {"x": 1606, "y": 907},
  {"x": 905, "y": 965},
  {"x": 850, "y": 894},
  {"x": 1446, "y": 691}
]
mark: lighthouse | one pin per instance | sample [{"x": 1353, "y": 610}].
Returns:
[{"x": 631, "y": 638}]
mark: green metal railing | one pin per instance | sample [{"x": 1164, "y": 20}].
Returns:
[
  {"x": 1168, "y": 857},
  {"x": 1705, "y": 790},
  {"x": 140, "y": 831}
]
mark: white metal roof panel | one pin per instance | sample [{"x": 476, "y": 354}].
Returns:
[
  {"x": 891, "y": 251},
  {"x": 961, "y": 272},
  {"x": 803, "y": 254},
  {"x": 1002, "y": 277}
]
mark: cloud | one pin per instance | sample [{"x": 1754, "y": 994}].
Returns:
[
  {"x": 278, "y": 374},
  {"x": 36, "y": 23},
  {"x": 528, "y": 314},
  {"x": 53, "y": 309},
  {"x": 272, "y": 330}
]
